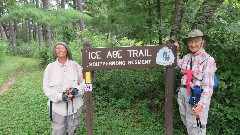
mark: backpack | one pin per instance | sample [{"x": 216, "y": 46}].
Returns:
[{"x": 215, "y": 81}]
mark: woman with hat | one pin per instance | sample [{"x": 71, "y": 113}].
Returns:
[
  {"x": 64, "y": 86},
  {"x": 194, "y": 95}
]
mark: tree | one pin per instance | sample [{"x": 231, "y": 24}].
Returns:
[
  {"x": 13, "y": 37},
  {"x": 47, "y": 30},
  {"x": 80, "y": 9},
  {"x": 39, "y": 28}
]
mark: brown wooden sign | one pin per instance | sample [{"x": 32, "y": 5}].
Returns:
[{"x": 128, "y": 57}]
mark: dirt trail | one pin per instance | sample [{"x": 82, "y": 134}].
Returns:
[{"x": 10, "y": 82}]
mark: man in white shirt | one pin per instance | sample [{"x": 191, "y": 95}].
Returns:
[{"x": 64, "y": 86}]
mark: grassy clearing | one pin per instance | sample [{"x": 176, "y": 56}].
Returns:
[
  {"x": 9, "y": 65},
  {"x": 23, "y": 107}
]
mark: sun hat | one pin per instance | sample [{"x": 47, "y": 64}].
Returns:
[{"x": 196, "y": 33}]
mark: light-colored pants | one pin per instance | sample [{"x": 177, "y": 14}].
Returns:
[
  {"x": 187, "y": 115},
  {"x": 59, "y": 123}
]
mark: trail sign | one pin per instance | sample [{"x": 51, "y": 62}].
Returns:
[{"x": 128, "y": 57}]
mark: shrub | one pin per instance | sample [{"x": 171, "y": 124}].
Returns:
[
  {"x": 4, "y": 50},
  {"x": 28, "y": 49},
  {"x": 46, "y": 56}
]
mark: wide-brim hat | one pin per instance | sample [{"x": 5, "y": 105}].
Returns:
[{"x": 196, "y": 33}]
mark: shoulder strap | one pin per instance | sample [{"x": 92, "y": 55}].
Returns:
[{"x": 199, "y": 64}]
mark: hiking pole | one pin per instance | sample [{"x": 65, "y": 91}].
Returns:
[
  {"x": 67, "y": 92},
  {"x": 67, "y": 118},
  {"x": 199, "y": 125},
  {"x": 73, "y": 114}
]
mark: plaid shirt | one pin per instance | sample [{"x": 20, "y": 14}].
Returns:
[{"x": 203, "y": 67}]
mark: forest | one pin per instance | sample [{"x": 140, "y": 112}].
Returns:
[{"x": 126, "y": 101}]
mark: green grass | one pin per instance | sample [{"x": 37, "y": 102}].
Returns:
[{"x": 23, "y": 108}]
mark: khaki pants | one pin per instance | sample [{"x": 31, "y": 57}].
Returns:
[
  {"x": 187, "y": 115},
  {"x": 59, "y": 123}
]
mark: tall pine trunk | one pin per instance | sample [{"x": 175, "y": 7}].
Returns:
[
  {"x": 3, "y": 36},
  {"x": 80, "y": 8},
  {"x": 39, "y": 29},
  {"x": 159, "y": 14},
  {"x": 47, "y": 27},
  {"x": 13, "y": 37}
]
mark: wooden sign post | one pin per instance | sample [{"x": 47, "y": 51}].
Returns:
[{"x": 130, "y": 57}]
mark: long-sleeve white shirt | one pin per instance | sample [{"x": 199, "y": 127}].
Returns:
[{"x": 60, "y": 77}]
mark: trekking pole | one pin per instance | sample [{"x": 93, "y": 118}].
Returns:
[
  {"x": 67, "y": 117},
  {"x": 199, "y": 125},
  {"x": 73, "y": 114},
  {"x": 67, "y": 92}
]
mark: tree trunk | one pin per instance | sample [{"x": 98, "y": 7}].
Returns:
[
  {"x": 16, "y": 28},
  {"x": 3, "y": 36},
  {"x": 149, "y": 22},
  {"x": 40, "y": 38},
  {"x": 47, "y": 28},
  {"x": 30, "y": 29},
  {"x": 159, "y": 7},
  {"x": 26, "y": 29},
  {"x": 178, "y": 14},
  {"x": 7, "y": 33},
  {"x": 13, "y": 37},
  {"x": 63, "y": 4},
  {"x": 110, "y": 21},
  {"x": 28, "y": 26},
  {"x": 34, "y": 31},
  {"x": 39, "y": 29},
  {"x": 80, "y": 8}
]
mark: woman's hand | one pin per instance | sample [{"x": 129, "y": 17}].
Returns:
[
  {"x": 197, "y": 110},
  {"x": 177, "y": 45}
]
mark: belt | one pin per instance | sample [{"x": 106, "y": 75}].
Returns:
[{"x": 184, "y": 86}]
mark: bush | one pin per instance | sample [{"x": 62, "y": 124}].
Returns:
[
  {"x": 130, "y": 84},
  {"x": 4, "y": 50},
  {"x": 46, "y": 56},
  {"x": 28, "y": 49}
]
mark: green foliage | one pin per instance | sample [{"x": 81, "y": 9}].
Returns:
[
  {"x": 46, "y": 56},
  {"x": 55, "y": 18},
  {"x": 30, "y": 107},
  {"x": 8, "y": 65},
  {"x": 130, "y": 84},
  {"x": 130, "y": 118},
  {"x": 224, "y": 47},
  {"x": 76, "y": 47},
  {"x": 4, "y": 50},
  {"x": 28, "y": 49},
  {"x": 95, "y": 39}
]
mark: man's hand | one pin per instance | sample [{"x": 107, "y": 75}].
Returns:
[
  {"x": 74, "y": 91},
  {"x": 70, "y": 96},
  {"x": 64, "y": 97},
  {"x": 67, "y": 97}
]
